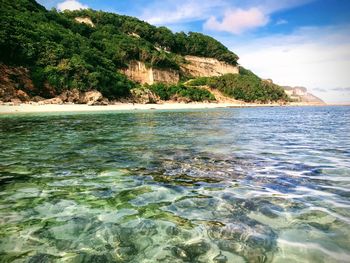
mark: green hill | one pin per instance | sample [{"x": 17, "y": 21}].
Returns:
[{"x": 62, "y": 54}]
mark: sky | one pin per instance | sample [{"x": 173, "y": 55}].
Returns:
[{"x": 293, "y": 42}]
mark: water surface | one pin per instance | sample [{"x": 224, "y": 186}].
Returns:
[{"x": 223, "y": 185}]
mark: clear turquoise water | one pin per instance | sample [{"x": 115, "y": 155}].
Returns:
[{"x": 224, "y": 185}]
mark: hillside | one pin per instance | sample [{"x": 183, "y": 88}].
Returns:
[{"x": 113, "y": 54}]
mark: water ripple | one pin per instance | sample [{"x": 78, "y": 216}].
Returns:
[{"x": 227, "y": 185}]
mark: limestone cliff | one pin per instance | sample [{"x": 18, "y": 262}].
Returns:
[
  {"x": 207, "y": 67},
  {"x": 194, "y": 66},
  {"x": 300, "y": 94},
  {"x": 138, "y": 72},
  {"x": 85, "y": 20}
]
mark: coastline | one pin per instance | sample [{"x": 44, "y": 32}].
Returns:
[{"x": 34, "y": 108}]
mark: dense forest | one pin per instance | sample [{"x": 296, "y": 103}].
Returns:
[{"x": 64, "y": 54}]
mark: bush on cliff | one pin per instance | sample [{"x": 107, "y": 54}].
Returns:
[
  {"x": 168, "y": 92},
  {"x": 245, "y": 86}
]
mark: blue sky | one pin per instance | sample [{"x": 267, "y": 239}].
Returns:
[{"x": 294, "y": 42}]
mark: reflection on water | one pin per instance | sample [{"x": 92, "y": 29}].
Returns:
[{"x": 226, "y": 185}]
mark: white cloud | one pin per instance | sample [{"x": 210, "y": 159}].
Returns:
[
  {"x": 170, "y": 12},
  {"x": 314, "y": 57},
  {"x": 252, "y": 15},
  {"x": 271, "y": 6},
  {"x": 242, "y": 15},
  {"x": 71, "y": 5},
  {"x": 238, "y": 20},
  {"x": 281, "y": 22}
]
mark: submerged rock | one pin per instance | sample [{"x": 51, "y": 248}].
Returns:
[
  {"x": 190, "y": 252},
  {"x": 147, "y": 227},
  {"x": 41, "y": 258},
  {"x": 92, "y": 258},
  {"x": 197, "y": 249},
  {"x": 143, "y": 243},
  {"x": 179, "y": 253},
  {"x": 220, "y": 258},
  {"x": 172, "y": 231},
  {"x": 253, "y": 241}
]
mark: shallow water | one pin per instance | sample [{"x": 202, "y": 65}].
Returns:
[{"x": 223, "y": 185}]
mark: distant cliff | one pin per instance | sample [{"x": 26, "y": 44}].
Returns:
[{"x": 300, "y": 94}]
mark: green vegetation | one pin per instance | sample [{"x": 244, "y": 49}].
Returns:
[
  {"x": 201, "y": 81},
  {"x": 63, "y": 54},
  {"x": 59, "y": 52},
  {"x": 168, "y": 92},
  {"x": 156, "y": 45},
  {"x": 201, "y": 45},
  {"x": 245, "y": 86}
]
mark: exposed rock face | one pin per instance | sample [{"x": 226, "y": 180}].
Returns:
[
  {"x": 15, "y": 84},
  {"x": 300, "y": 94},
  {"x": 143, "y": 96},
  {"x": 102, "y": 102},
  {"x": 90, "y": 97},
  {"x": 138, "y": 72},
  {"x": 70, "y": 96},
  {"x": 75, "y": 96},
  {"x": 207, "y": 67},
  {"x": 56, "y": 100},
  {"x": 195, "y": 66},
  {"x": 15, "y": 102},
  {"x": 22, "y": 96},
  {"x": 168, "y": 76},
  {"x": 37, "y": 99},
  {"x": 85, "y": 20}
]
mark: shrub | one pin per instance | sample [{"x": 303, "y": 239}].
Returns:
[
  {"x": 245, "y": 86},
  {"x": 167, "y": 92}
]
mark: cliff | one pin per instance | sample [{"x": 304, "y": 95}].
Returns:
[
  {"x": 193, "y": 67},
  {"x": 139, "y": 72},
  {"x": 300, "y": 94},
  {"x": 85, "y": 20},
  {"x": 207, "y": 67}
]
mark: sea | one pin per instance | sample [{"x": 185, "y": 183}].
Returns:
[{"x": 211, "y": 185}]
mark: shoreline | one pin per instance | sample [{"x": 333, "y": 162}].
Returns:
[{"x": 33, "y": 108}]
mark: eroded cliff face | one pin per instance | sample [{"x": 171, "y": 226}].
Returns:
[
  {"x": 137, "y": 71},
  {"x": 15, "y": 84},
  {"x": 85, "y": 20},
  {"x": 194, "y": 66},
  {"x": 300, "y": 94},
  {"x": 207, "y": 67}
]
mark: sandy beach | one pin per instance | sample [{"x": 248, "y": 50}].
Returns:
[{"x": 33, "y": 108}]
